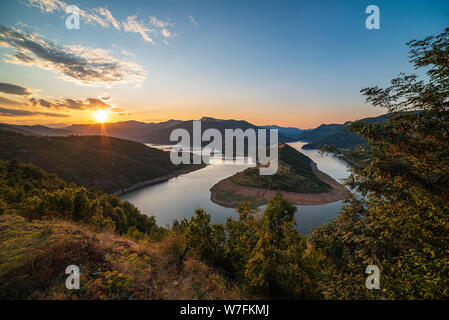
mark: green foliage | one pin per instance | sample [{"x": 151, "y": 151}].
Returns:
[
  {"x": 205, "y": 238},
  {"x": 263, "y": 252},
  {"x": 402, "y": 224},
  {"x": 33, "y": 193},
  {"x": 294, "y": 174},
  {"x": 275, "y": 265}
]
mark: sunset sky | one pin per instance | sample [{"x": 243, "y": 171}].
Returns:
[{"x": 293, "y": 63}]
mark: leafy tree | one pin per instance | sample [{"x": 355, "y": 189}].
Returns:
[
  {"x": 402, "y": 223},
  {"x": 266, "y": 251},
  {"x": 208, "y": 240},
  {"x": 32, "y": 192}
]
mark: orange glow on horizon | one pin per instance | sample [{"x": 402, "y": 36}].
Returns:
[{"x": 101, "y": 116}]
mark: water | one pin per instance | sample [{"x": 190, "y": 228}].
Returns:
[{"x": 179, "y": 197}]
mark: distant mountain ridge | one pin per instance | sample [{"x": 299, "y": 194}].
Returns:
[
  {"x": 159, "y": 132},
  {"x": 156, "y": 133},
  {"x": 336, "y": 135}
]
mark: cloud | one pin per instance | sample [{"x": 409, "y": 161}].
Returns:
[
  {"x": 91, "y": 104},
  {"x": 154, "y": 26},
  {"x": 109, "y": 17},
  {"x": 102, "y": 102},
  {"x": 132, "y": 25},
  {"x": 9, "y": 88},
  {"x": 9, "y": 102},
  {"x": 48, "y": 5},
  {"x": 192, "y": 19},
  {"x": 100, "y": 16},
  {"x": 104, "y": 18},
  {"x": 20, "y": 113},
  {"x": 82, "y": 65},
  {"x": 161, "y": 27}
]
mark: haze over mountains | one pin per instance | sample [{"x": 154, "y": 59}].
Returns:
[{"x": 159, "y": 133}]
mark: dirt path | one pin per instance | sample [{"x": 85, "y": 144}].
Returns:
[{"x": 338, "y": 192}]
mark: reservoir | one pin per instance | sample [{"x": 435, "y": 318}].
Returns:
[{"x": 180, "y": 196}]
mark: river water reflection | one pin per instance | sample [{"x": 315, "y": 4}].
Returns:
[{"x": 179, "y": 197}]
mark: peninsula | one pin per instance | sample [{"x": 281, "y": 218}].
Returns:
[{"x": 298, "y": 179}]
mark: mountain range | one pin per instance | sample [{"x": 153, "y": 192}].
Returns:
[
  {"x": 155, "y": 133},
  {"x": 159, "y": 133},
  {"x": 335, "y": 134}
]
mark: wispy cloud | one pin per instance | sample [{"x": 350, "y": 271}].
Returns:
[
  {"x": 94, "y": 16},
  {"x": 109, "y": 17},
  {"x": 48, "y": 5},
  {"x": 104, "y": 18},
  {"x": 148, "y": 29},
  {"x": 91, "y": 104},
  {"x": 161, "y": 27},
  {"x": 21, "y": 113},
  {"x": 83, "y": 65},
  {"x": 9, "y": 88},
  {"x": 10, "y": 102},
  {"x": 132, "y": 25},
  {"x": 192, "y": 19}
]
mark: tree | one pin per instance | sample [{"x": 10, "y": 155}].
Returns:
[
  {"x": 208, "y": 240},
  {"x": 274, "y": 266},
  {"x": 402, "y": 224}
]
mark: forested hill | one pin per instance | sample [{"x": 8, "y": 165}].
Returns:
[
  {"x": 105, "y": 163},
  {"x": 294, "y": 174},
  {"x": 336, "y": 135}
]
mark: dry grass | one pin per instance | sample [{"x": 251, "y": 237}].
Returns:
[{"x": 34, "y": 255}]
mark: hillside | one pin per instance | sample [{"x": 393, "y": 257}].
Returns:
[
  {"x": 47, "y": 225},
  {"x": 336, "y": 135},
  {"x": 38, "y": 130},
  {"x": 105, "y": 163},
  {"x": 34, "y": 255},
  {"x": 340, "y": 139},
  {"x": 289, "y": 134},
  {"x": 294, "y": 174}
]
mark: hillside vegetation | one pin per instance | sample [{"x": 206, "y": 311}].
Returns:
[
  {"x": 105, "y": 163},
  {"x": 294, "y": 174},
  {"x": 34, "y": 256},
  {"x": 337, "y": 135}
]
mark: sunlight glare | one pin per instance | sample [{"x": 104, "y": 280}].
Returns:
[{"x": 101, "y": 116}]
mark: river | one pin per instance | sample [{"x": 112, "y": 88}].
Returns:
[{"x": 180, "y": 196}]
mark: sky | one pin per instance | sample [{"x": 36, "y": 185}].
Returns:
[{"x": 290, "y": 63}]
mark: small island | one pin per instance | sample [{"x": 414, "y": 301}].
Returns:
[{"x": 297, "y": 178}]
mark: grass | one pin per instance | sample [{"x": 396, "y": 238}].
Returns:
[{"x": 34, "y": 255}]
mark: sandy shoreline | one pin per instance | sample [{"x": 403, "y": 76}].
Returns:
[{"x": 339, "y": 192}]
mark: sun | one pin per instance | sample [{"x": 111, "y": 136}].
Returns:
[{"x": 101, "y": 116}]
